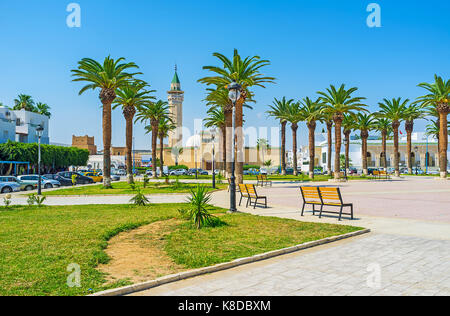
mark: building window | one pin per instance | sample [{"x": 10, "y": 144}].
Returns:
[
  {"x": 18, "y": 122},
  {"x": 324, "y": 158}
]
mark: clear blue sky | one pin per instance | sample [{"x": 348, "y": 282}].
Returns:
[{"x": 311, "y": 45}]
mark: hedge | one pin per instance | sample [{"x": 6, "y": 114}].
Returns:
[{"x": 51, "y": 156}]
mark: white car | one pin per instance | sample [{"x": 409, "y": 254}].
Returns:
[{"x": 8, "y": 187}]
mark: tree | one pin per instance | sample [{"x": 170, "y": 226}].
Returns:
[
  {"x": 108, "y": 77},
  {"x": 311, "y": 112},
  {"x": 394, "y": 110},
  {"x": 329, "y": 122},
  {"x": 294, "y": 115},
  {"x": 130, "y": 97},
  {"x": 247, "y": 73},
  {"x": 153, "y": 112},
  {"x": 165, "y": 126},
  {"x": 278, "y": 111},
  {"x": 216, "y": 119},
  {"x": 24, "y": 102},
  {"x": 337, "y": 103},
  {"x": 439, "y": 97},
  {"x": 384, "y": 126},
  {"x": 412, "y": 113},
  {"x": 43, "y": 109},
  {"x": 262, "y": 144},
  {"x": 348, "y": 124},
  {"x": 365, "y": 123}
]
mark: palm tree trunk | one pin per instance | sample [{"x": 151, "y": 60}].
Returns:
[
  {"x": 229, "y": 142},
  {"x": 409, "y": 126},
  {"x": 283, "y": 148},
  {"x": 239, "y": 141},
  {"x": 161, "y": 152},
  {"x": 107, "y": 96},
  {"x": 128, "y": 113},
  {"x": 347, "y": 150},
  {"x": 312, "y": 149},
  {"x": 294, "y": 147},
  {"x": 443, "y": 110},
  {"x": 364, "y": 152},
  {"x": 330, "y": 142},
  {"x": 224, "y": 148},
  {"x": 384, "y": 145},
  {"x": 154, "y": 145},
  {"x": 395, "y": 126},
  {"x": 337, "y": 148}
]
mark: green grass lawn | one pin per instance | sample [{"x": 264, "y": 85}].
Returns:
[
  {"x": 125, "y": 188},
  {"x": 38, "y": 244}
]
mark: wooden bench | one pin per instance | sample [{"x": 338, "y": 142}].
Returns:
[
  {"x": 380, "y": 174},
  {"x": 325, "y": 196},
  {"x": 263, "y": 180},
  {"x": 244, "y": 193},
  {"x": 253, "y": 195}
]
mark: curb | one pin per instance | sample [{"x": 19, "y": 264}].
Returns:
[{"x": 223, "y": 266}]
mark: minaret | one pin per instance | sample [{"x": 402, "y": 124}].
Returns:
[{"x": 176, "y": 98}]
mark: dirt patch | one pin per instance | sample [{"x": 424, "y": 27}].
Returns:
[{"x": 139, "y": 255}]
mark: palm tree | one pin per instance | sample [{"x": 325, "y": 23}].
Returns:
[
  {"x": 394, "y": 110},
  {"x": 108, "y": 77},
  {"x": 262, "y": 144},
  {"x": 165, "y": 126},
  {"x": 216, "y": 119},
  {"x": 348, "y": 124},
  {"x": 130, "y": 97},
  {"x": 153, "y": 112},
  {"x": 24, "y": 102},
  {"x": 329, "y": 122},
  {"x": 365, "y": 123},
  {"x": 384, "y": 126},
  {"x": 439, "y": 97},
  {"x": 278, "y": 111},
  {"x": 413, "y": 112},
  {"x": 337, "y": 103},
  {"x": 294, "y": 115},
  {"x": 311, "y": 112},
  {"x": 43, "y": 109},
  {"x": 247, "y": 73}
]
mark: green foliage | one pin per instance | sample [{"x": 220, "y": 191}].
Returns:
[
  {"x": 55, "y": 156},
  {"x": 198, "y": 211},
  {"x": 139, "y": 199},
  {"x": 7, "y": 200},
  {"x": 36, "y": 199},
  {"x": 179, "y": 167},
  {"x": 146, "y": 180},
  {"x": 247, "y": 167}
]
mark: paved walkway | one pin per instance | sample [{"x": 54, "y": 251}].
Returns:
[{"x": 408, "y": 252}]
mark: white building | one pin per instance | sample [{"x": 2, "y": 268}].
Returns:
[{"x": 21, "y": 126}]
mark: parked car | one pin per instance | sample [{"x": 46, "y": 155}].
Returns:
[
  {"x": 8, "y": 187},
  {"x": 200, "y": 172},
  {"x": 45, "y": 183},
  {"x": 179, "y": 172},
  {"x": 80, "y": 178},
  {"x": 64, "y": 181},
  {"x": 94, "y": 176},
  {"x": 24, "y": 185}
]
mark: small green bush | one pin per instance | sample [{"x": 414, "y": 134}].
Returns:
[
  {"x": 198, "y": 211},
  {"x": 139, "y": 199}
]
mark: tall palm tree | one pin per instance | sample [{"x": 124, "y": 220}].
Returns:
[
  {"x": 43, "y": 109},
  {"x": 294, "y": 115},
  {"x": 153, "y": 112},
  {"x": 348, "y": 125},
  {"x": 130, "y": 97},
  {"x": 247, "y": 73},
  {"x": 337, "y": 103},
  {"x": 311, "y": 112},
  {"x": 24, "y": 102},
  {"x": 384, "y": 126},
  {"x": 365, "y": 123},
  {"x": 108, "y": 77},
  {"x": 216, "y": 119},
  {"x": 412, "y": 113},
  {"x": 165, "y": 126},
  {"x": 394, "y": 110},
  {"x": 278, "y": 111},
  {"x": 262, "y": 145},
  {"x": 439, "y": 97}
]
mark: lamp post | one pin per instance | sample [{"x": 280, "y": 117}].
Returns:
[
  {"x": 213, "y": 138},
  {"x": 346, "y": 165},
  {"x": 234, "y": 95},
  {"x": 195, "y": 155},
  {"x": 416, "y": 150},
  {"x": 39, "y": 132}
]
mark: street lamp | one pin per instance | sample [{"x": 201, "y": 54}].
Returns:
[
  {"x": 234, "y": 95},
  {"x": 39, "y": 132},
  {"x": 416, "y": 150},
  {"x": 346, "y": 165},
  {"x": 213, "y": 138}
]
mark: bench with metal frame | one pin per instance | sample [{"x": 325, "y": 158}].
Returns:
[
  {"x": 244, "y": 193},
  {"x": 325, "y": 196},
  {"x": 381, "y": 175},
  {"x": 253, "y": 195}
]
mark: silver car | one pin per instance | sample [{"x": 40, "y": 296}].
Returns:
[
  {"x": 46, "y": 183},
  {"x": 8, "y": 187}
]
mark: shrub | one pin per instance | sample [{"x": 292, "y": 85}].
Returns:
[
  {"x": 247, "y": 167},
  {"x": 7, "y": 200},
  {"x": 36, "y": 199},
  {"x": 146, "y": 180},
  {"x": 139, "y": 199},
  {"x": 179, "y": 167},
  {"x": 198, "y": 211}
]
